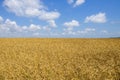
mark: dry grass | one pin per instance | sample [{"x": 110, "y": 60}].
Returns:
[{"x": 59, "y": 59}]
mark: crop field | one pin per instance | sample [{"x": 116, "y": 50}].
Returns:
[{"x": 59, "y": 59}]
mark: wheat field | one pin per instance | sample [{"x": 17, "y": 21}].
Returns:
[{"x": 59, "y": 59}]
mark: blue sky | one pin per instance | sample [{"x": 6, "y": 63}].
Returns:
[{"x": 59, "y": 18}]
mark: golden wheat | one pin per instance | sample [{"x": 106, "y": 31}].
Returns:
[{"x": 59, "y": 59}]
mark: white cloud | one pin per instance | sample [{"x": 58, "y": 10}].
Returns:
[
  {"x": 30, "y": 8},
  {"x": 24, "y": 7},
  {"x": 46, "y": 28},
  {"x": 73, "y": 23},
  {"x": 78, "y": 32},
  {"x": 86, "y": 31},
  {"x": 52, "y": 23},
  {"x": 69, "y": 29},
  {"x": 30, "y": 28},
  {"x": 10, "y": 27},
  {"x": 97, "y": 18},
  {"x": 70, "y": 32},
  {"x": 24, "y": 27},
  {"x": 78, "y": 2},
  {"x": 1, "y": 19},
  {"x": 34, "y": 27},
  {"x": 70, "y": 26},
  {"x": 36, "y": 34},
  {"x": 70, "y": 1},
  {"x": 32, "y": 12},
  {"x": 104, "y": 31},
  {"x": 49, "y": 15},
  {"x": 89, "y": 29}
]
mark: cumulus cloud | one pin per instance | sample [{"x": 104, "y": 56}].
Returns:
[
  {"x": 70, "y": 26},
  {"x": 79, "y": 32},
  {"x": 87, "y": 30},
  {"x": 76, "y": 2},
  {"x": 97, "y": 18},
  {"x": 1, "y": 19},
  {"x": 24, "y": 7},
  {"x": 46, "y": 28},
  {"x": 73, "y": 23},
  {"x": 79, "y": 2},
  {"x": 70, "y": 1},
  {"x": 30, "y": 8},
  {"x": 34, "y": 27},
  {"x": 52, "y": 23},
  {"x": 49, "y": 15},
  {"x": 69, "y": 31},
  {"x": 9, "y": 27}
]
